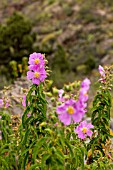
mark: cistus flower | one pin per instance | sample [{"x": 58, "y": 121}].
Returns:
[
  {"x": 67, "y": 112},
  {"x": 4, "y": 103},
  {"x": 101, "y": 71},
  {"x": 71, "y": 110},
  {"x": 1, "y": 103},
  {"x": 60, "y": 93},
  {"x": 84, "y": 130},
  {"x": 24, "y": 101},
  {"x": 28, "y": 115},
  {"x": 7, "y": 103},
  {"x": 36, "y": 60},
  {"x": 37, "y": 76},
  {"x": 36, "y": 71},
  {"x": 83, "y": 96}
]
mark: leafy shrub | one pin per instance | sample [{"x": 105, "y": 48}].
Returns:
[
  {"x": 16, "y": 39},
  {"x": 51, "y": 134}
]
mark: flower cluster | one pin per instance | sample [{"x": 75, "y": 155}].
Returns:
[
  {"x": 83, "y": 96},
  {"x": 36, "y": 71},
  {"x": 4, "y": 103},
  {"x": 68, "y": 112},
  {"x": 71, "y": 110}
]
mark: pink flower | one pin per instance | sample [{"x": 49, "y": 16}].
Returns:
[
  {"x": 7, "y": 104},
  {"x": 4, "y": 103},
  {"x": 83, "y": 96},
  {"x": 101, "y": 71},
  {"x": 37, "y": 71},
  {"x": 56, "y": 124},
  {"x": 37, "y": 76},
  {"x": 86, "y": 84},
  {"x": 80, "y": 107},
  {"x": 83, "y": 130},
  {"x": 36, "y": 60},
  {"x": 71, "y": 109},
  {"x": 24, "y": 101},
  {"x": 60, "y": 93},
  {"x": 28, "y": 115},
  {"x": 1, "y": 103},
  {"x": 67, "y": 112}
]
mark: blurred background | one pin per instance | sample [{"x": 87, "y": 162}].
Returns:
[{"x": 75, "y": 35}]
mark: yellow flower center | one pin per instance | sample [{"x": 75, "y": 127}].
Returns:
[
  {"x": 70, "y": 110},
  {"x": 36, "y": 61},
  {"x": 84, "y": 130},
  {"x": 37, "y": 75},
  {"x": 85, "y": 94}
]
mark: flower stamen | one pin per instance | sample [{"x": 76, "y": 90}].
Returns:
[
  {"x": 37, "y": 75},
  {"x": 84, "y": 130},
  {"x": 70, "y": 110},
  {"x": 36, "y": 61}
]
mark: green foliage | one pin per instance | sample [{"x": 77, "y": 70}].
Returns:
[
  {"x": 36, "y": 107},
  {"x": 90, "y": 64},
  {"x": 86, "y": 15},
  {"x": 101, "y": 117},
  {"x": 16, "y": 39},
  {"x": 40, "y": 141},
  {"x": 60, "y": 61},
  {"x": 18, "y": 70},
  {"x": 7, "y": 148},
  {"x": 61, "y": 68}
]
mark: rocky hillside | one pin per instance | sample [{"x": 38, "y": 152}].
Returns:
[{"x": 71, "y": 32}]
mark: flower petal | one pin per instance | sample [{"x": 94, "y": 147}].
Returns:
[{"x": 65, "y": 118}]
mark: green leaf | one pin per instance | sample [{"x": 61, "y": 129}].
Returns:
[
  {"x": 44, "y": 158},
  {"x": 34, "y": 167}
]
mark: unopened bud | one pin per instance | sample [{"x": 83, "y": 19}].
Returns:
[
  {"x": 43, "y": 124},
  {"x": 55, "y": 90},
  {"x": 49, "y": 94}
]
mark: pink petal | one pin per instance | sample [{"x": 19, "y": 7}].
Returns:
[
  {"x": 65, "y": 118},
  {"x": 36, "y": 81},
  {"x": 81, "y": 135},
  {"x": 77, "y": 117},
  {"x": 89, "y": 133},
  {"x": 30, "y": 75}
]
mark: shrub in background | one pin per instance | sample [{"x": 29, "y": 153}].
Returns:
[{"x": 16, "y": 38}]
